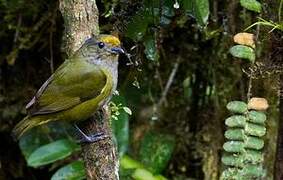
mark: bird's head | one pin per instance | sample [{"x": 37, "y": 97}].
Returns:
[{"x": 102, "y": 47}]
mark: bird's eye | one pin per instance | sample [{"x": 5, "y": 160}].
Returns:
[{"x": 101, "y": 45}]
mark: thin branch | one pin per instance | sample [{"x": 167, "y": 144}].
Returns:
[
  {"x": 169, "y": 83},
  {"x": 16, "y": 36}
]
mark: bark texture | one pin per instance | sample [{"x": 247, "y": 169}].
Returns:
[
  {"x": 81, "y": 22},
  {"x": 278, "y": 173},
  {"x": 101, "y": 157}
]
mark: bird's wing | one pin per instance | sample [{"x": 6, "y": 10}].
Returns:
[{"x": 72, "y": 83}]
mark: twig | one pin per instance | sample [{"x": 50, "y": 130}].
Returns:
[
  {"x": 249, "y": 93},
  {"x": 169, "y": 83},
  {"x": 159, "y": 79},
  {"x": 16, "y": 36}
]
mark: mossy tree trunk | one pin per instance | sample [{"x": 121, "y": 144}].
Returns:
[{"x": 81, "y": 22}]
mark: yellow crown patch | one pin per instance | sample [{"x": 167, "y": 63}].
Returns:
[{"x": 109, "y": 39}]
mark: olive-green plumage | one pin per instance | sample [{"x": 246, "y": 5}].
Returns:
[{"x": 81, "y": 85}]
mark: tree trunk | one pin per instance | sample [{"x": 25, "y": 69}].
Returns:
[
  {"x": 100, "y": 157},
  {"x": 278, "y": 173},
  {"x": 81, "y": 22}
]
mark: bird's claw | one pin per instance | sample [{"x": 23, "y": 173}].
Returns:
[
  {"x": 93, "y": 138},
  {"x": 90, "y": 138}
]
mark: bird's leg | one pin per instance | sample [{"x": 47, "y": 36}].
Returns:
[{"x": 90, "y": 138}]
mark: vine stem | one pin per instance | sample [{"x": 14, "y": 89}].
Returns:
[{"x": 249, "y": 94}]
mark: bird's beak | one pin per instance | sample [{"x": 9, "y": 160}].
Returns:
[{"x": 117, "y": 50}]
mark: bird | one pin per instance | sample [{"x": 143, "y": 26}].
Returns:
[{"x": 80, "y": 86}]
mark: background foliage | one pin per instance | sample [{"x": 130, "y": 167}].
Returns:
[{"x": 177, "y": 86}]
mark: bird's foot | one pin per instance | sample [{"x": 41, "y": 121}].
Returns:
[
  {"x": 93, "y": 138},
  {"x": 90, "y": 138}
]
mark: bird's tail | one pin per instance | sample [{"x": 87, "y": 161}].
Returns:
[{"x": 26, "y": 124}]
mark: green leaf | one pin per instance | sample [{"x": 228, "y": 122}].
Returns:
[
  {"x": 156, "y": 3},
  {"x": 156, "y": 150},
  {"x": 236, "y": 121},
  {"x": 150, "y": 48},
  {"x": 237, "y": 107},
  {"x": 121, "y": 126},
  {"x": 254, "y": 143},
  {"x": 256, "y": 117},
  {"x": 187, "y": 5},
  {"x": 253, "y": 156},
  {"x": 150, "y": 16},
  {"x": 201, "y": 11},
  {"x": 234, "y": 146},
  {"x": 72, "y": 171},
  {"x": 140, "y": 173},
  {"x": 239, "y": 160},
  {"x": 243, "y": 52},
  {"x": 32, "y": 140},
  {"x": 129, "y": 163},
  {"x": 187, "y": 88},
  {"x": 52, "y": 152},
  {"x": 125, "y": 174},
  {"x": 127, "y": 110},
  {"x": 167, "y": 13},
  {"x": 250, "y": 156},
  {"x": 253, "y": 170},
  {"x": 252, "y": 5},
  {"x": 250, "y": 171},
  {"x": 232, "y": 160},
  {"x": 255, "y": 129},
  {"x": 137, "y": 28},
  {"x": 235, "y": 134},
  {"x": 230, "y": 173},
  {"x": 197, "y": 8},
  {"x": 41, "y": 135},
  {"x": 143, "y": 174}
]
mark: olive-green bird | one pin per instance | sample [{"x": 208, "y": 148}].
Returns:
[{"x": 81, "y": 85}]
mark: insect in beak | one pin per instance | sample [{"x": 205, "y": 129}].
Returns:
[{"x": 117, "y": 50}]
